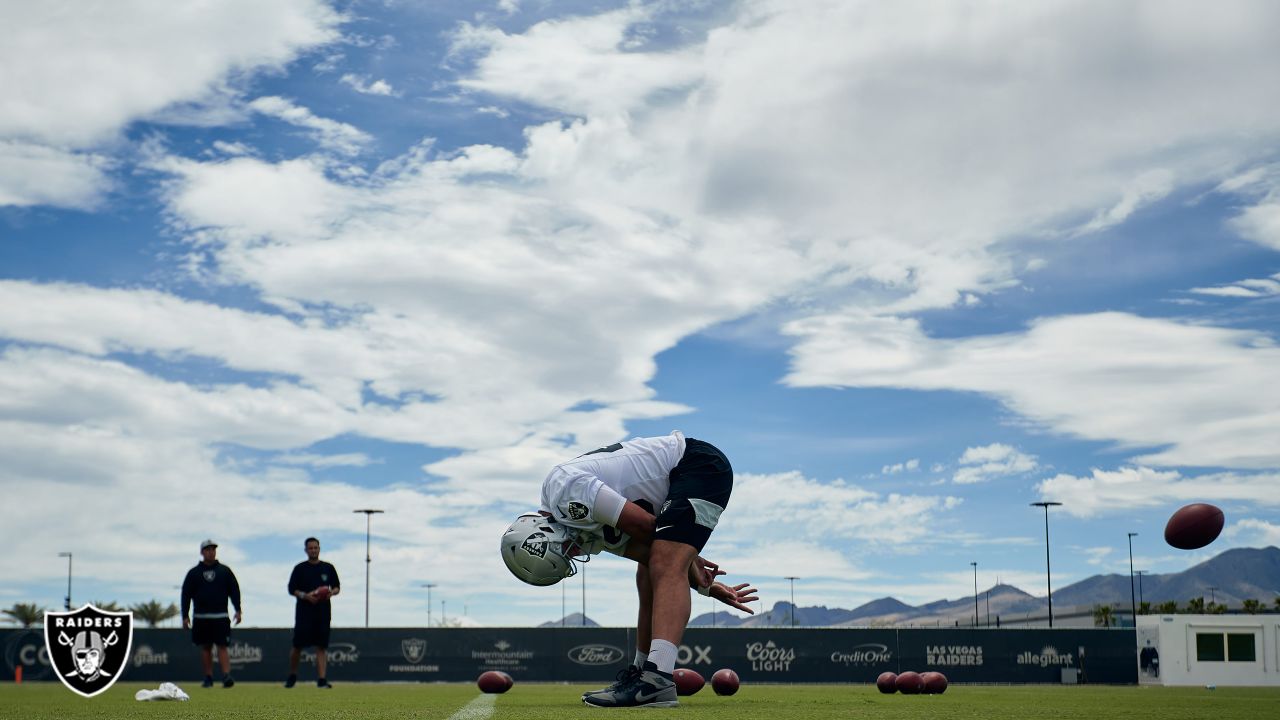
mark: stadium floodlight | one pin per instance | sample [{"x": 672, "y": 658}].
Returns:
[
  {"x": 368, "y": 518},
  {"x": 67, "y": 555},
  {"x": 975, "y": 593},
  {"x": 1048, "y": 576},
  {"x": 1133, "y": 601},
  {"x": 428, "y": 586},
  {"x": 793, "y": 580}
]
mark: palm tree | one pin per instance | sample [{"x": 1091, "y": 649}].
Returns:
[
  {"x": 109, "y": 606},
  {"x": 1168, "y": 607},
  {"x": 1144, "y": 608},
  {"x": 1195, "y": 606},
  {"x": 25, "y": 614},
  {"x": 1252, "y": 606},
  {"x": 1102, "y": 615},
  {"x": 153, "y": 612}
]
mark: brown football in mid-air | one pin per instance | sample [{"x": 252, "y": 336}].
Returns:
[{"x": 1194, "y": 526}]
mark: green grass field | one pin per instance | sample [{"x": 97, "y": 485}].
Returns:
[{"x": 253, "y": 701}]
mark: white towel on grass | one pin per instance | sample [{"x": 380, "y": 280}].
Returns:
[{"x": 166, "y": 691}]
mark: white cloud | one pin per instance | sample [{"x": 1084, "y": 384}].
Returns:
[
  {"x": 362, "y": 84},
  {"x": 330, "y": 134},
  {"x": 1127, "y": 488},
  {"x": 909, "y": 466},
  {"x": 1067, "y": 372},
  {"x": 42, "y": 175},
  {"x": 1254, "y": 532},
  {"x": 980, "y": 464},
  {"x": 1253, "y": 288},
  {"x": 88, "y": 73}
]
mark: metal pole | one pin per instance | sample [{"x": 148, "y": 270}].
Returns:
[
  {"x": 1048, "y": 574},
  {"x": 368, "y": 524},
  {"x": 1140, "y": 573},
  {"x": 988, "y": 608},
  {"x": 584, "y": 594},
  {"x": 563, "y": 611},
  {"x": 1133, "y": 600},
  {"x": 1213, "y": 598},
  {"x": 975, "y": 593},
  {"x": 793, "y": 580},
  {"x": 67, "y": 555},
  {"x": 428, "y": 586}
]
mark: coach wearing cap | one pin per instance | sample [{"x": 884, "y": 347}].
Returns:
[{"x": 209, "y": 585}]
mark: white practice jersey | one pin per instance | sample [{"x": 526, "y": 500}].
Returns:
[{"x": 637, "y": 469}]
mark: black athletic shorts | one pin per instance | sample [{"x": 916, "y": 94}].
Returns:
[
  {"x": 701, "y": 484},
  {"x": 311, "y": 632},
  {"x": 211, "y": 631}
]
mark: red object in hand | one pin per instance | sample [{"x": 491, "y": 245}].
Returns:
[{"x": 323, "y": 592}]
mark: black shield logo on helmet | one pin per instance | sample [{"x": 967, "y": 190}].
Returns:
[
  {"x": 535, "y": 544},
  {"x": 88, "y": 648}
]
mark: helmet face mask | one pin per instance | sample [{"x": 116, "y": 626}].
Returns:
[{"x": 540, "y": 551}]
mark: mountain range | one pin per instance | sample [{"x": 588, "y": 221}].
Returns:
[{"x": 1228, "y": 578}]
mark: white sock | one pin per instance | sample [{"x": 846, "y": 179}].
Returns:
[
  {"x": 663, "y": 654},
  {"x": 641, "y": 656}
]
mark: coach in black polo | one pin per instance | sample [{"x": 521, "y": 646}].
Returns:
[
  {"x": 209, "y": 585},
  {"x": 313, "y": 582}
]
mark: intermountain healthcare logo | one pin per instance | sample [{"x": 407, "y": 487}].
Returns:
[
  {"x": 88, "y": 647},
  {"x": 502, "y": 657}
]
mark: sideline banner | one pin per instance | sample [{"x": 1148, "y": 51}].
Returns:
[{"x": 590, "y": 655}]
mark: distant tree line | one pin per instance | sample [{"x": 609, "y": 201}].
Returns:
[
  {"x": 151, "y": 612},
  {"x": 1105, "y": 615}
]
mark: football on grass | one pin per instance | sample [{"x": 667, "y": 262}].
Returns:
[
  {"x": 688, "y": 681},
  {"x": 491, "y": 681},
  {"x": 887, "y": 683},
  {"x": 1194, "y": 526},
  {"x": 935, "y": 683},
  {"x": 910, "y": 683},
  {"x": 725, "y": 682},
  {"x": 507, "y": 678}
]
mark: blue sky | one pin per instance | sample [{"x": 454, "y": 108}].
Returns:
[{"x": 912, "y": 268}]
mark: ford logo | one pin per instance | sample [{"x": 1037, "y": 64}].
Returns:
[{"x": 595, "y": 655}]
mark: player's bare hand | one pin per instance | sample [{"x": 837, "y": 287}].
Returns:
[
  {"x": 238, "y": 617},
  {"x": 186, "y": 623},
  {"x": 311, "y": 597},
  {"x": 703, "y": 572},
  {"x": 737, "y": 596}
]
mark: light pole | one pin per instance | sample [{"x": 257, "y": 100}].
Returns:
[
  {"x": 793, "y": 580},
  {"x": 1213, "y": 598},
  {"x": 975, "y": 593},
  {"x": 368, "y": 519},
  {"x": 583, "y": 572},
  {"x": 1140, "y": 573},
  {"x": 1048, "y": 576},
  {"x": 428, "y": 586},
  {"x": 988, "y": 608},
  {"x": 67, "y": 555},
  {"x": 444, "y": 618},
  {"x": 563, "y": 609},
  {"x": 1133, "y": 601}
]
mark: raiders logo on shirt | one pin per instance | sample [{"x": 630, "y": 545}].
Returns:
[{"x": 578, "y": 511}]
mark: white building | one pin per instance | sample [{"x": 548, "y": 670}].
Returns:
[{"x": 1209, "y": 649}]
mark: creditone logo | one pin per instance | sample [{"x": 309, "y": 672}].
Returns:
[
  {"x": 414, "y": 650},
  {"x": 241, "y": 654},
  {"x": 695, "y": 655},
  {"x": 953, "y": 655},
  {"x": 144, "y": 655},
  {"x": 339, "y": 654},
  {"x": 864, "y": 654},
  {"x": 88, "y": 647},
  {"x": 1047, "y": 657},
  {"x": 595, "y": 654},
  {"x": 769, "y": 657}
]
